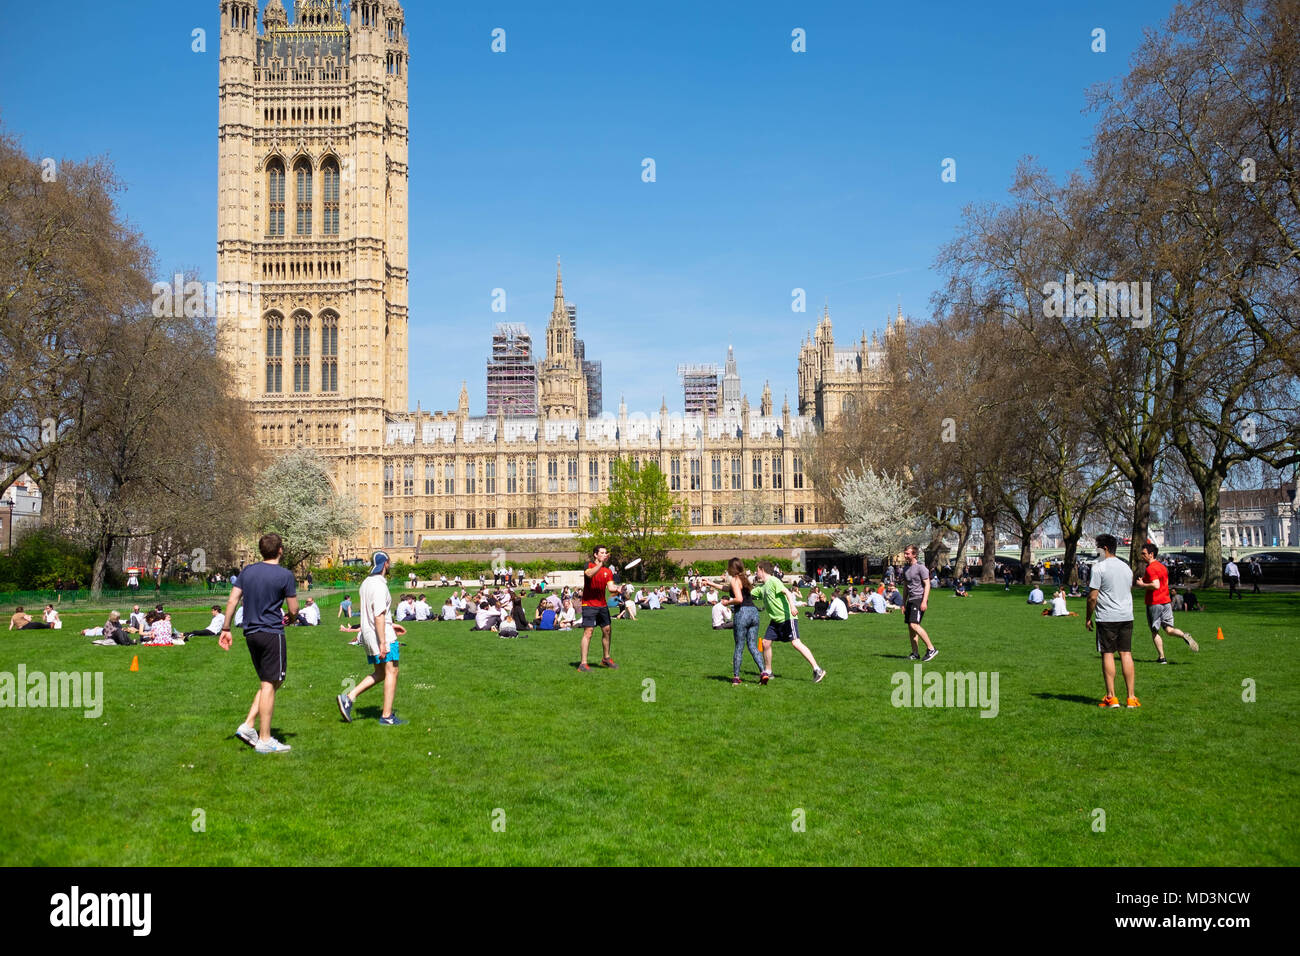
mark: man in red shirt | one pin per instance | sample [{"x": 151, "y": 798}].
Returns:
[
  {"x": 595, "y": 609},
  {"x": 1160, "y": 610}
]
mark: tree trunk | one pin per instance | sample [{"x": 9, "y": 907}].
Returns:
[
  {"x": 1071, "y": 554},
  {"x": 989, "y": 521},
  {"x": 1213, "y": 577},
  {"x": 1141, "y": 522},
  {"x": 963, "y": 539},
  {"x": 103, "y": 548},
  {"x": 1026, "y": 554}
]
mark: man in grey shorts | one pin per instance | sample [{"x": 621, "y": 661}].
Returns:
[
  {"x": 1110, "y": 601},
  {"x": 1160, "y": 608}
]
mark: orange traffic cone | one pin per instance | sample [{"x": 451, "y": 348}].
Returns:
[
  {"x": 1220, "y": 634},
  {"x": 135, "y": 661}
]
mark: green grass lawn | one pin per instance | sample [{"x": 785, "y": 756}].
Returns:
[{"x": 583, "y": 769}]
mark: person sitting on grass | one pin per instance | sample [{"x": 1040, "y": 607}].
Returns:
[
  {"x": 545, "y": 618},
  {"x": 1058, "y": 608},
  {"x": 160, "y": 630},
  {"x": 112, "y": 633},
  {"x": 487, "y": 618},
  {"x": 627, "y": 611},
  {"x": 960, "y": 589},
  {"x": 568, "y": 618},
  {"x": 449, "y": 610},
  {"x": 345, "y": 607},
  {"x": 422, "y": 610},
  {"x": 309, "y": 614},
  {"x": 723, "y": 619},
  {"x": 214, "y": 626},
  {"x": 1191, "y": 604},
  {"x": 1035, "y": 595}
]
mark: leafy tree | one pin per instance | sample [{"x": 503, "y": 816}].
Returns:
[
  {"x": 295, "y": 498},
  {"x": 880, "y": 516},
  {"x": 637, "y": 520}
]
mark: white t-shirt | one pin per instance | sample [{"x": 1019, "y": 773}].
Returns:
[
  {"x": 406, "y": 611},
  {"x": 721, "y": 615},
  {"x": 422, "y": 610},
  {"x": 1036, "y": 596},
  {"x": 217, "y": 623},
  {"x": 569, "y": 616},
  {"x": 1058, "y": 607},
  {"x": 485, "y": 618},
  {"x": 876, "y": 603},
  {"x": 1112, "y": 579},
  {"x": 239, "y": 616},
  {"x": 311, "y": 613},
  {"x": 449, "y": 612},
  {"x": 652, "y": 603},
  {"x": 374, "y": 600},
  {"x": 837, "y": 611},
  {"x": 1230, "y": 571}
]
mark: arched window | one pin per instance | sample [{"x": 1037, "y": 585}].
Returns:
[
  {"x": 274, "y": 352},
  {"x": 302, "y": 196},
  {"x": 301, "y": 352},
  {"x": 275, "y": 198},
  {"x": 330, "y": 178},
  {"x": 329, "y": 352}
]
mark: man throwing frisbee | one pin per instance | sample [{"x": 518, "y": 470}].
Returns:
[
  {"x": 379, "y": 636},
  {"x": 596, "y": 583}
]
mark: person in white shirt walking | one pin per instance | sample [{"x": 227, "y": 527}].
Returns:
[{"x": 379, "y": 636}]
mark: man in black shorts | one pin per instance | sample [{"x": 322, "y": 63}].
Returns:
[
  {"x": 916, "y": 583},
  {"x": 1110, "y": 601},
  {"x": 263, "y": 588},
  {"x": 597, "y": 581}
]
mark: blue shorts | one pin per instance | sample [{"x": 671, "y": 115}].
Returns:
[{"x": 393, "y": 655}]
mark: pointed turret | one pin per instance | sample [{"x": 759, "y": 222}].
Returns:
[{"x": 765, "y": 407}]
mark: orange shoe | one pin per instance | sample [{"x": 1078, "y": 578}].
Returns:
[
  {"x": 1132, "y": 702},
  {"x": 1109, "y": 702}
]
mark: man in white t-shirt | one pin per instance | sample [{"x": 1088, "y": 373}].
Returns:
[
  {"x": 379, "y": 637},
  {"x": 422, "y": 610},
  {"x": 838, "y": 610},
  {"x": 1110, "y": 602},
  {"x": 876, "y": 603},
  {"x": 652, "y": 601},
  {"x": 1035, "y": 595},
  {"x": 309, "y": 616},
  {"x": 722, "y": 617}
]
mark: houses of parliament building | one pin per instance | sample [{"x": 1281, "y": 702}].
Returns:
[{"x": 312, "y": 214}]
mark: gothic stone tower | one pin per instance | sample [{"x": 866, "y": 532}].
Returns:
[
  {"x": 562, "y": 386},
  {"x": 312, "y": 217}
]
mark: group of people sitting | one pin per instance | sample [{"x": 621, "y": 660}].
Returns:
[
  {"x": 150, "y": 629},
  {"x": 838, "y": 605},
  {"x": 22, "y": 621}
]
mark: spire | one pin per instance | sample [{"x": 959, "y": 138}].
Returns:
[
  {"x": 899, "y": 320},
  {"x": 765, "y": 407},
  {"x": 463, "y": 405},
  {"x": 559, "y": 287},
  {"x": 785, "y": 406}
]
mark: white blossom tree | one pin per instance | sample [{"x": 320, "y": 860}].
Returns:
[
  {"x": 294, "y": 498},
  {"x": 880, "y": 516}
]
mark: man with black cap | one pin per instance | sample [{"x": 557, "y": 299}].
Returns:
[{"x": 379, "y": 636}]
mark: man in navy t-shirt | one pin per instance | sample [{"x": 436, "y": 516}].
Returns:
[{"x": 263, "y": 587}]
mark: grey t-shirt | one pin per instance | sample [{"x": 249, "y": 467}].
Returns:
[
  {"x": 915, "y": 577},
  {"x": 1112, "y": 579}
]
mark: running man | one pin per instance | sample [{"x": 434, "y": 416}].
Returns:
[
  {"x": 916, "y": 582},
  {"x": 598, "y": 579},
  {"x": 262, "y": 588},
  {"x": 1110, "y": 600},
  {"x": 1160, "y": 610},
  {"x": 379, "y": 635},
  {"x": 783, "y": 623}
]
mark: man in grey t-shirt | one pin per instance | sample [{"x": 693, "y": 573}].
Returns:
[
  {"x": 916, "y": 582},
  {"x": 1110, "y": 603}
]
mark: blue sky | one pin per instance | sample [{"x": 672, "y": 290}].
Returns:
[{"x": 775, "y": 169}]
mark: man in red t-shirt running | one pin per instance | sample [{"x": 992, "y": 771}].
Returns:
[
  {"x": 1160, "y": 610},
  {"x": 595, "y": 609}
]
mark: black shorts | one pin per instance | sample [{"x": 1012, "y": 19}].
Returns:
[
  {"x": 1114, "y": 637},
  {"x": 782, "y": 631},
  {"x": 912, "y": 612},
  {"x": 270, "y": 654},
  {"x": 595, "y": 616}
]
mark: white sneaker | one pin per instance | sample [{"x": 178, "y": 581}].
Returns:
[
  {"x": 272, "y": 746},
  {"x": 247, "y": 734}
]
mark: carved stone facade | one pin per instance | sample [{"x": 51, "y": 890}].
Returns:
[
  {"x": 312, "y": 221},
  {"x": 834, "y": 381}
]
